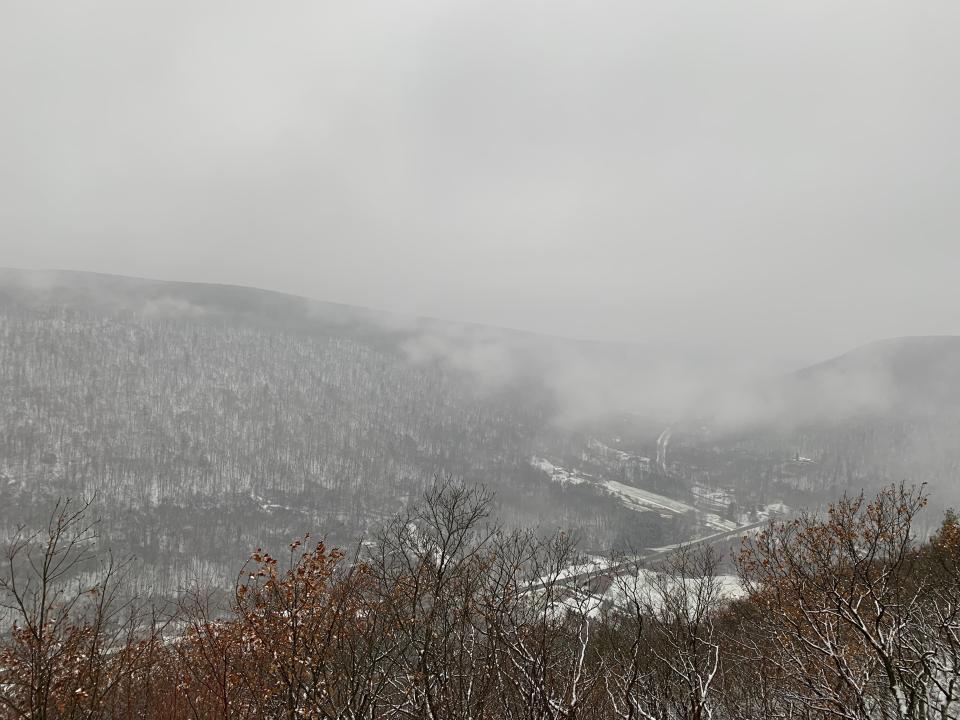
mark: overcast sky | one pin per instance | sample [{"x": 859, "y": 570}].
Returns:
[{"x": 781, "y": 178}]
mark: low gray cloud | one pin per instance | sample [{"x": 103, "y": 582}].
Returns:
[{"x": 773, "y": 182}]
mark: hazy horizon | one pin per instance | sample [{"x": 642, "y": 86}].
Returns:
[
  {"x": 770, "y": 184},
  {"x": 41, "y": 277}
]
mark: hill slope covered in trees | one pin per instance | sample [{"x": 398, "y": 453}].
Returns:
[
  {"x": 210, "y": 420},
  {"x": 207, "y": 420}
]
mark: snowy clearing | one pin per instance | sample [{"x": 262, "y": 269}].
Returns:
[{"x": 635, "y": 497}]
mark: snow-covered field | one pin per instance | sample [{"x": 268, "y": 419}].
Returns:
[
  {"x": 631, "y": 497},
  {"x": 640, "y": 500},
  {"x": 648, "y": 588},
  {"x": 644, "y": 499}
]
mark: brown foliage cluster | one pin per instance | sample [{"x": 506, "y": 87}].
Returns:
[{"x": 445, "y": 616}]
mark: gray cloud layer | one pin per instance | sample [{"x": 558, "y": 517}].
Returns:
[{"x": 772, "y": 181}]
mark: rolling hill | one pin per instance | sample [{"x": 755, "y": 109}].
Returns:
[
  {"x": 209, "y": 420},
  {"x": 885, "y": 412}
]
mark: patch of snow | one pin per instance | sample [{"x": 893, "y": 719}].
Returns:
[
  {"x": 773, "y": 510},
  {"x": 559, "y": 474},
  {"x": 715, "y": 521},
  {"x": 632, "y": 496},
  {"x": 651, "y": 588}
]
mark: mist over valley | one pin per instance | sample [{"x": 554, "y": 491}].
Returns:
[{"x": 208, "y": 420}]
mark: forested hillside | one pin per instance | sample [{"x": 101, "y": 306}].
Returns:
[
  {"x": 208, "y": 420},
  {"x": 884, "y": 412},
  {"x": 206, "y": 423}
]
